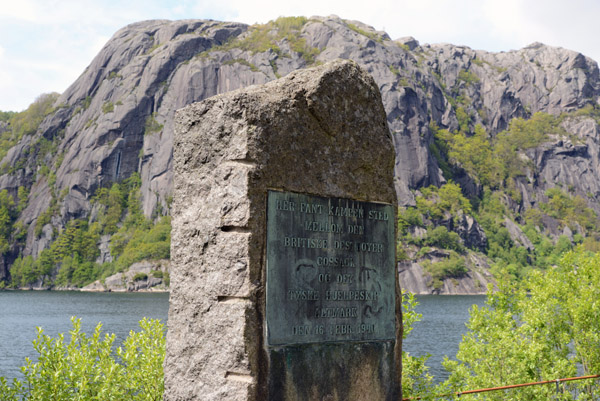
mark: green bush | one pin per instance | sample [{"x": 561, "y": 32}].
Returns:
[
  {"x": 5, "y": 116},
  {"x": 442, "y": 238},
  {"x": 467, "y": 77},
  {"x": 492, "y": 162},
  {"x": 152, "y": 125},
  {"x": 409, "y": 217},
  {"x": 140, "y": 277},
  {"x": 108, "y": 107},
  {"x": 436, "y": 202},
  {"x": 144, "y": 242},
  {"x": 451, "y": 267},
  {"x": 569, "y": 210},
  {"x": 544, "y": 328},
  {"x": 89, "y": 368}
]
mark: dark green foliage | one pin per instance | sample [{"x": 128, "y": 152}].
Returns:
[
  {"x": 71, "y": 257},
  {"x": 24, "y": 271},
  {"x": 140, "y": 277},
  {"x": 7, "y": 217},
  {"x": 73, "y": 252},
  {"x": 442, "y": 238},
  {"x": 569, "y": 210},
  {"x": 146, "y": 241},
  {"x": 26, "y": 122},
  {"x": 452, "y": 267},
  {"x": 436, "y": 203},
  {"x": 494, "y": 163},
  {"x": 5, "y": 116}
]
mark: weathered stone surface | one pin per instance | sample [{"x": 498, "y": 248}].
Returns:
[{"x": 317, "y": 131}]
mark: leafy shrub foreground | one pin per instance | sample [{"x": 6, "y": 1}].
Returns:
[
  {"x": 88, "y": 368},
  {"x": 544, "y": 327}
]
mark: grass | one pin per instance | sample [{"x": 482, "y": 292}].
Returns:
[
  {"x": 370, "y": 35},
  {"x": 242, "y": 62},
  {"x": 152, "y": 126},
  {"x": 108, "y": 107},
  {"x": 272, "y": 36}
]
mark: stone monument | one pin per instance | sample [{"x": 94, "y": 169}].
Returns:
[{"x": 283, "y": 282}]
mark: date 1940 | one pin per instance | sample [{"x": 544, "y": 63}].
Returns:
[{"x": 333, "y": 330}]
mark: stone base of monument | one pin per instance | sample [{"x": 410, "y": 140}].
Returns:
[
  {"x": 283, "y": 279},
  {"x": 351, "y": 371}
]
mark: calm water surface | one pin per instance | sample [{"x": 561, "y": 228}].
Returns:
[
  {"x": 438, "y": 334},
  {"x": 441, "y": 328},
  {"x": 22, "y": 311}
]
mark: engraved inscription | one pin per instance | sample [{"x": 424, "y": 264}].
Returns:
[{"x": 330, "y": 270}]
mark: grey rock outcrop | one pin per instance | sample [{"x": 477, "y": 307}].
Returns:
[
  {"x": 415, "y": 279},
  {"x": 141, "y": 276},
  {"x": 517, "y": 235},
  {"x": 117, "y": 118}
]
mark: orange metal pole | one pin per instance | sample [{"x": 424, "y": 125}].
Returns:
[{"x": 483, "y": 390}]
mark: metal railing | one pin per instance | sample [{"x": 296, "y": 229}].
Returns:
[{"x": 483, "y": 390}]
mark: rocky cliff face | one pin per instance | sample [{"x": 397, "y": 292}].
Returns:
[{"x": 117, "y": 118}]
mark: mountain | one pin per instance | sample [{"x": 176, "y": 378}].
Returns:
[{"x": 516, "y": 131}]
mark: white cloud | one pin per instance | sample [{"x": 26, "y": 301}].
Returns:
[
  {"x": 25, "y": 10},
  {"x": 47, "y": 44}
]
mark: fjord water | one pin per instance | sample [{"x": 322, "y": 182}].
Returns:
[
  {"x": 22, "y": 311},
  {"x": 441, "y": 329},
  {"x": 438, "y": 334}
]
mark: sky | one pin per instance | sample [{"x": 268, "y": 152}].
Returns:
[{"x": 46, "y": 44}]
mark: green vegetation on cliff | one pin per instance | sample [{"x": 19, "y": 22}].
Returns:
[
  {"x": 275, "y": 36},
  {"x": 71, "y": 258},
  {"x": 25, "y": 122}
]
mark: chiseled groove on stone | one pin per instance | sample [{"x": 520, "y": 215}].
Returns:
[
  {"x": 225, "y": 299},
  {"x": 240, "y": 162},
  {"x": 235, "y": 229},
  {"x": 239, "y": 377}
]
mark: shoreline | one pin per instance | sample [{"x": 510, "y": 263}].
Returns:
[{"x": 84, "y": 290}]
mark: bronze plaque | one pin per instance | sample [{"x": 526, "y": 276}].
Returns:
[{"x": 330, "y": 270}]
